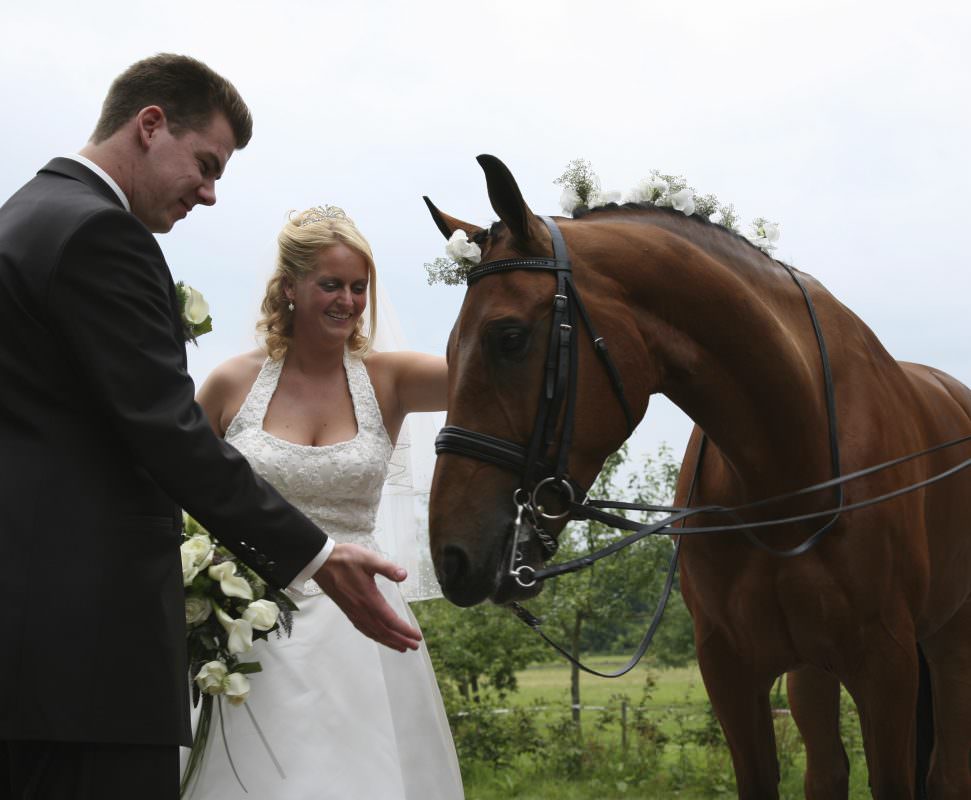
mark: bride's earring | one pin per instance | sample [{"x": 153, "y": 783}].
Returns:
[{"x": 290, "y": 306}]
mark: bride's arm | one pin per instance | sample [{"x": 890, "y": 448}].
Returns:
[
  {"x": 223, "y": 392},
  {"x": 421, "y": 382},
  {"x": 405, "y": 381}
]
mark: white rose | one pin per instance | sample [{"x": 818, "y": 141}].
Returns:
[
  {"x": 569, "y": 200},
  {"x": 200, "y": 548},
  {"x": 649, "y": 190},
  {"x": 197, "y": 609},
  {"x": 189, "y": 568},
  {"x": 459, "y": 248},
  {"x": 262, "y": 614},
  {"x": 196, "y": 308},
  {"x": 231, "y": 584},
  {"x": 771, "y": 230},
  {"x": 683, "y": 201},
  {"x": 210, "y": 678},
  {"x": 240, "y": 631},
  {"x": 602, "y": 198},
  {"x": 236, "y": 688},
  {"x": 196, "y": 556}
]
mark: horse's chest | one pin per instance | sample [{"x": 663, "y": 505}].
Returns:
[{"x": 795, "y": 613}]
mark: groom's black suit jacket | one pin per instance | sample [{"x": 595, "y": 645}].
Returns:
[{"x": 101, "y": 442}]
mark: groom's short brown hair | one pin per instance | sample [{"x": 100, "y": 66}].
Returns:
[{"x": 187, "y": 91}]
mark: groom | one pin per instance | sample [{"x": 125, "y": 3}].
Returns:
[{"x": 101, "y": 444}]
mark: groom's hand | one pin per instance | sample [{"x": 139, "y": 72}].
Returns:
[{"x": 348, "y": 578}]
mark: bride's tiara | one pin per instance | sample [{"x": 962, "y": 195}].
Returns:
[{"x": 321, "y": 213}]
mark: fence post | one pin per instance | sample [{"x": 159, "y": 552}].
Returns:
[{"x": 623, "y": 725}]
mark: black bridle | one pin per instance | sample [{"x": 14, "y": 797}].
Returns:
[
  {"x": 559, "y": 385},
  {"x": 541, "y": 466}
]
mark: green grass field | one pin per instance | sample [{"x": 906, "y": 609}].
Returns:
[{"x": 688, "y": 765}]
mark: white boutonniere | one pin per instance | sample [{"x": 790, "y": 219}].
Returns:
[{"x": 196, "y": 319}]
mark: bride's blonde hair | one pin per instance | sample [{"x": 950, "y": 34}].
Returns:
[{"x": 300, "y": 242}]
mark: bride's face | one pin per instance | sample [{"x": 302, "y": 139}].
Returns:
[{"x": 330, "y": 300}]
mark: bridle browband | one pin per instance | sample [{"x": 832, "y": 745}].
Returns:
[{"x": 559, "y": 395}]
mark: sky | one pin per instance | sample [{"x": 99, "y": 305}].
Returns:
[{"x": 846, "y": 122}]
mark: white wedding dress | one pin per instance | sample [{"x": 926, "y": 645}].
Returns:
[{"x": 344, "y": 717}]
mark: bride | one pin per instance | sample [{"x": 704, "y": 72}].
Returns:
[{"x": 317, "y": 413}]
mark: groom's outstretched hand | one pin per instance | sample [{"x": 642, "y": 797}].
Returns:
[{"x": 348, "y": 578}]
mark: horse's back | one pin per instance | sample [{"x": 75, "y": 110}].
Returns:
[{"x": 946, "y": 398}]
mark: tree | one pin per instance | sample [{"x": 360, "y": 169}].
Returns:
[
  {"x": 596, "y": 604},
  {"x": 475, "y": 646}
]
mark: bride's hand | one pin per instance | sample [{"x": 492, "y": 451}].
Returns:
[{"x": 348, "y": 578}]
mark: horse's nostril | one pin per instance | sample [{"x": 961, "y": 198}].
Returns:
[{"x": 455, "y": 564}]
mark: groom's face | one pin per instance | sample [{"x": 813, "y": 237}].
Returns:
[{"x": 179, "y": 170}]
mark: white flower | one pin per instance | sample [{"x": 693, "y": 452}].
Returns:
[
  {"x": 189, "y": 569},
  {"x": 459, "y": 248},
  {"x": 764, "y": 234},
  {"x": 211, "y": 676},
  {"x": 569, "y": 200},
  {"x": 196, "y": 308},
  {"x": 197, "y": 609},
  {"x": 196, "y": 556},
  {"x": 236, "y": 688},
  {"x": 262, "y": 614},
  {"x": 231, "y": 584},
  {"x": 649, "y": 190},
  {"x": 771, "y": 230},
  {"x": 683, "y": 201},
  {"x": 598, "y": 198},
  {"x": 240, "y": 631}
]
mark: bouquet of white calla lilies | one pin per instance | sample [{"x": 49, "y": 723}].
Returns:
[{"x": 228, "y": 608}]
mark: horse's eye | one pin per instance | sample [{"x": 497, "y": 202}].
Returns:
[{"x": 512, "y": 341}]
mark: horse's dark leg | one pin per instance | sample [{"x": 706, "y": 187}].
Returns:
[
  {"x": 948, "y": 654},
  {"x": 925, "y": 727},
  {"x": 884, "y": 686},
  {"x": 814, "y": 697},
  {"x": 741, "y": 703}
]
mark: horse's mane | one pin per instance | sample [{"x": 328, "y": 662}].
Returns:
[{"x": 648, "y": 209}]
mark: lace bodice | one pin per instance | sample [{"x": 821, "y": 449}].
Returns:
[{"x": 337, "y": 485}]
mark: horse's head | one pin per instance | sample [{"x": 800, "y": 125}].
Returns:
[{"x": 498, "y": 376}]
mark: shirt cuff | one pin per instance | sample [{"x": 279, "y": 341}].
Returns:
[{"x": 311, "y": 569}]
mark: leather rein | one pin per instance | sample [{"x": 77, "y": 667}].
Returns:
[{"x": 543, "y": 468}]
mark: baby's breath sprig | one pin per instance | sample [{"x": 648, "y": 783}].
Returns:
[
  {"x": 445, "y": 270},
  {"x": 579, "y": 178}
]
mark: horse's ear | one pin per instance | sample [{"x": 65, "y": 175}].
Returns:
[
  {"x": 447, "y": 224},
  {"x": 507, "y": 201}
]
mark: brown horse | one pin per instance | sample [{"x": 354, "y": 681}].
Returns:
[{"x": 693, "y": 311}]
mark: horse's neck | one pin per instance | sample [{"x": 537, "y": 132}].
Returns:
[{"x": 739, "y": 356}]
